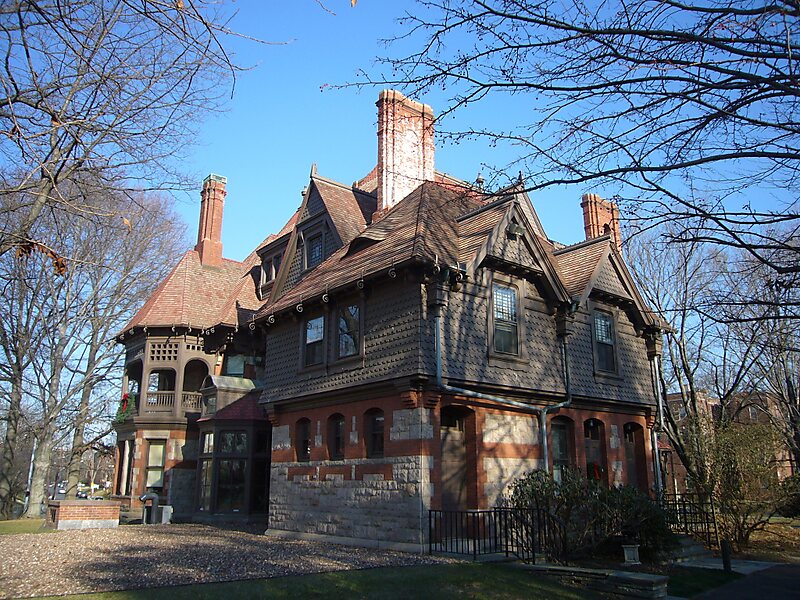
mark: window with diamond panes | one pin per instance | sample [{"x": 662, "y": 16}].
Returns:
[{"x": 349, "y": 331}]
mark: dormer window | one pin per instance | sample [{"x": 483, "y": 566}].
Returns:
[
  {"x": 506, "y": 335},
  {"x": 314, "y": 250},
  {"x": 270, "y": 265}
]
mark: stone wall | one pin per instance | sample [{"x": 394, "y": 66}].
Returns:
[{"x": 367, "y": 499}]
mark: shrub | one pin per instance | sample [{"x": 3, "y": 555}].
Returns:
[{"x": 587, "y": 516}]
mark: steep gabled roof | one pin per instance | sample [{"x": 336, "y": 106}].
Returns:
[
  {"x": 191, "y": 295},
  {"x": 243, "y": 300},
  {"x": 475, "y": 227},
  {"x": 577, "y": 263},
  {"x": 422, "y": 227},
  {"x": 348, "y": 208}
]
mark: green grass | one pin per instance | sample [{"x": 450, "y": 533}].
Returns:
[
  {"x": 689, "y": 581},
  {"x": 24, "y": 526},
  {"x": 475, "y": 580}
]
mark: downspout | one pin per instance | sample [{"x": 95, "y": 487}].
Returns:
[
  {"x": 659, "y": 426},
  {"x": 554, "y": 407}
]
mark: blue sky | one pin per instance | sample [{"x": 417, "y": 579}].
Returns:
[{"x": 286, "y": 115}]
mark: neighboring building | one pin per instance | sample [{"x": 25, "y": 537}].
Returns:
[
  {"x": 391, "y": 350},
  {"x": 756, "y": 408}
]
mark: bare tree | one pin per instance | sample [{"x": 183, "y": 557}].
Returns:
[
  {"x": 706, "y": 361},
  {"x": 692, "y": 105},
  {"x": 100, "y": 93},
  {"x": 20, "y": 335},
  {"x": 71, "y": 369}
]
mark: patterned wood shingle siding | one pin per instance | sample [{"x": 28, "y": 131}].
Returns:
[{"x": 391, "y": 320}]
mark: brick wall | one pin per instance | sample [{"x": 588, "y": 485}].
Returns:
[{"x": 82, "y": 514}]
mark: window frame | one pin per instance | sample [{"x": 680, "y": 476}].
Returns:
[
  {"x": 598, "y": 344},
  {"x": 521, "y": 351},
  {"x": 155, "y": 468},
  {"x": 336, "y": 430},
  {"x": 322, "y": 343},
  {"x": 359, "y": 345},
  {"x": 305, "y": 455},
  {"x": 370, "y": 433}
]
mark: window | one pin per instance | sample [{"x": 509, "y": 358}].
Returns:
[
  {"x": 230, "y": 485},
  {"x": 336, "y": 437},
  {"x": 604, "y": 342},
  {"x": 315, "y": 342},
  {"x": 314, "y": 250},
  {"x": 595, "y": 451},
  {"x": 373, "y": 432},
  {"x": 349, "y": 331},
  {"x": 204, "y": 499},
  {"x": 208, "y": 443},
  {"x": 270, "y": 265},
  {"x": 154, "y": 477},
  {"x": 506, "y": 340},
  {"x": 634, "y": 455},
  {"x": 302, "y": 439},
  {"x": 560, "y": 434},
  {"x": 233, "y": 442}
]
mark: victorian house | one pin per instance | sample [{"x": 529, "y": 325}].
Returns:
[{"x": 407, "y": 342}]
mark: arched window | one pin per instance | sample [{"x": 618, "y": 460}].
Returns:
[
  {"x": 302, "y": 439},
  {"x": 635, "y": 466},
  {"x": 561, "y": 441},
  {"x": 594, "y": 441},
  {"x": 373, "y": 432},
  {"x": 336, "y": 437}
]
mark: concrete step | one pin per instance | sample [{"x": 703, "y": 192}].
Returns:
[{"x": 689, "y": 549}]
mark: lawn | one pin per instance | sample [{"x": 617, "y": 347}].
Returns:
[
  {"x": 475, "y": 580},
  {"x": 686, "y": 582},
  {"x": 24, "y": 526}
]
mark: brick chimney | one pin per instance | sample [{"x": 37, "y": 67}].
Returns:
[
  {"x": 600, "y": 217},
  {"x": 209, "y": 232},
  {"x": 405, "y": 148}
]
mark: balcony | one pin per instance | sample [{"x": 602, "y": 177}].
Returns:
[
  {"x": 164, "y": 402},
  {"x": 158, "y": 402},
  {"x": 192, "y": 401}
]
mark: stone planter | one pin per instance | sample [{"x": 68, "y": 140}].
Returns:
[{"x": 631, "y": 554}]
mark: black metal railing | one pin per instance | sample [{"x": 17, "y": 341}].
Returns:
[
  {"x": 692, "y": 515},
  {"x": 526, "y": 533}
]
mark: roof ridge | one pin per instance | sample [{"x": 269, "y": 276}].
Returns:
[
  {"x": 485, "y": 207},
  {"x": 582, "y": 244},
  {"x": 344, "y": 186}
]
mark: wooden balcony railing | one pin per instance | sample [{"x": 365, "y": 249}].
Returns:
[
  {"x": 192, "y": 401},
  {"x": 159, "y": 402},
  {"x": 164, "y": 402}
]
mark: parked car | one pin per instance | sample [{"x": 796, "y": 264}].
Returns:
[{"x": 81, "y": 495}]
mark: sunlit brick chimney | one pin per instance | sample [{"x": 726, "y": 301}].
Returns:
[
  {"x": 600, "y": 217},
  {"x": 405, "y": 148},
  {"x": 209, "y": 233}
]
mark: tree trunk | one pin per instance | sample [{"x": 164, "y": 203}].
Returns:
[
  {"x": 9, "y": 446},
  {"x": 41, "y": 465},
  {"x": 78, "y": 445}
]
